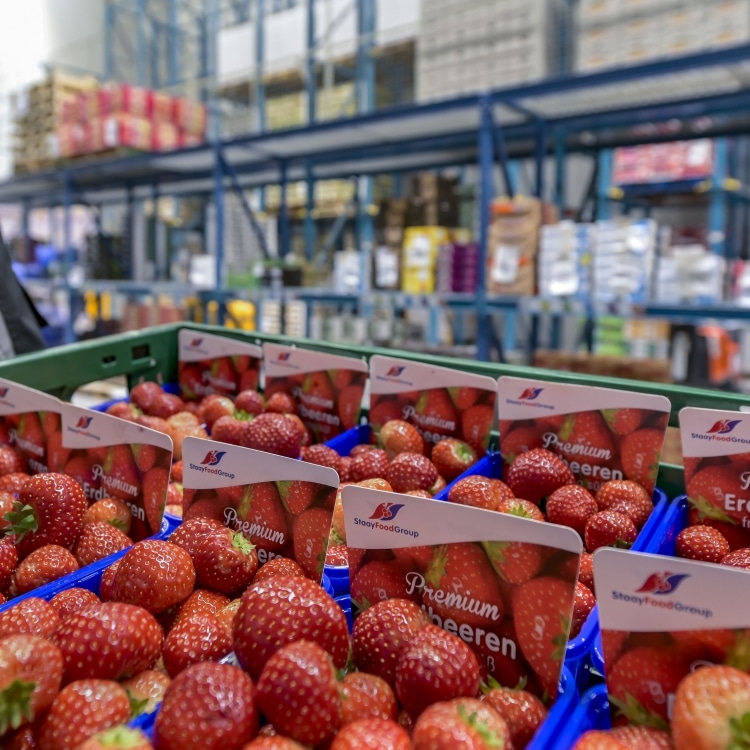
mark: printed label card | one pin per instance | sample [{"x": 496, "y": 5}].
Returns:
[
  {"x": 501, "y": 583},
  {"x": 601, "y": 433},
  {"x": 327, "y": 389},
  {"x": 113, "y": 457},
  {"x": 282, "y": 505},
  {"x": 716, "y": 457},
  {"x": 216, "y": 364},
  {"x": 676, "y": 644},
  {"x": 438, "y": 401},
  {"x": 30, "y": 422}
]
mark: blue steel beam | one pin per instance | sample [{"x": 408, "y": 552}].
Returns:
[
  {"x": 283, "y": 228},
  {"x": 486, "y": 192},
  {"x": 174, "y": 43},
  {"x": 141, "y": 55},
  {"x": 312, "y": 78},
  {"x": 260, "y": 90},
  {"x": 219, "y": 214}
]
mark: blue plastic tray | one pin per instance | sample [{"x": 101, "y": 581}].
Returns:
[{"x": 592, "y": 712}]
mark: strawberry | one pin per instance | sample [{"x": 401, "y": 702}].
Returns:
[
  {"x": 435, "y": 415},
  {"x": 98, "y": 540},
  {"x": 298, "y": 693},
  {"x": 57, "y": 455},
  {"x": 350, "y": 405},
  {"x": 306, "y": 437},
  {"x": 220, "y": 376},
  {"x": 6, "y": 506},
  {"x": 383, "y": 409},
  {"x": 514, "y": 562},
  {"x": 372, "y": 732},
  {"x": 452, "y": 458},
  {"x": 735, "y": 535},
  {"x": 108, "y": 641},
  {"x": 70, "y": 601},
  {"x": 701, "y": 543},
  {"x": 310, "y": 538},
  {"x": 639, "y": 452},
  {"x": 165, "y": 405},
  {"x": 44, "y": 565},
  {"x": 11, "y": 461},
  {"x": 583, "y": 604},
  {"x": 572, "y": 506},
  {"x": 281, "y": 402},
  {"x": 462, "y": 570},
  {"x": 397, "y": 436},
  {"x": 111, "y": 511},
  {"x": 214, "y": 406},
  {"x": 608, "y": 528},
  {"x": 107, "y": 584},
  {"x": 120, "y": 477},
  {"x": 585, "y": 439},
  {"x": 641, "y": 681},
  {"x": 155, "y": 575},
  {"x": 438, "y": 486},
  {"x": 322, "y": 455},
  {"x": 30, "y": 437},
  {"x": 260, "y": 517},
  {"x": 13, "y": 483},
  {"x": 381, "y": 633},
  {"x": 32, "y": 616},
  {"x": 49, "y": 510},
  {"x": 708, "y": 490},
  {"x": 8, "y": 559},
  {"x": 711, "y": 709},
  {"x": 411, "y": 471},
  {"x": 520, "y": 440},
  {"x": 637, "y": 510},
  {"x": 143, "y": 394},
  {"x": 278, "y": 566},
  {"x": 117, "y": 738},
  {"x": 542, "y": 610},
  {"x": 379, "y": 580},
  {"x": 195, "y": 639},
  {"x": 318, "y": 389},
  {"x": 465, "y": 397},
  {"x": 31, "y": 671},
  {"x": 368, "y": 465},
  {"x": 82, "y": 709},
  {"x": 155, "y": 485},
  {"x": 208, "y": 706},
  {"x": 366, "y": 696},
  {"x": 476, "y": 425},
  {"x": 249, "y": 402},
  {"x": 249, "y": 379},
  {"x": 463, "y": 722},
  {"x": 124, "y": 410},
  {"x": 153, "y": 423},
  {"x": 625, "y": 420},
  {"x": 225, "y": 561},
  {"x": 596, "y": 739},
  {"x": 200, "y": 602},
  {"x": 228, "y": 430},
  {"x": 739, "y": 558},
  {"x": 296, "y": 496},
  {"x": 275, "y": 612},
  {"x": 522, "y": 711},
  {"x": 189, "y": 534},
  {"x": 273, "y": 433},
  {"x": 146, "y": 690},
  {"x": 420, "y": 493},
  {"x": 538, "y": 473},
  {"x": 522, "y": 508},
  {"x": 435, "y": 666}
]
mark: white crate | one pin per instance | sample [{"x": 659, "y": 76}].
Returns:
[
  {"x": 594, "y": 12},
  {"x": 727, "y": 22}
]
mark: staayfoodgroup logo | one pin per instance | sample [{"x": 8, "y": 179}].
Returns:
[
  {"x": 382, "y": 517},
  {"x": 723, "y": 427},
  {"x": 82, "y": 428},
  {"x": 722, "y": 432},
  {"x": 529, "y": 397},
  {"x": 207, "y": 465},
  {"x": 531, "y": 394},
  {"x": 196, "y": 346},
  {"x": 284, "y": 359},
  {"x": 213, "y": 458},
  {"x": 657, "y": 590},
  {"x": 393, "y": 375}
]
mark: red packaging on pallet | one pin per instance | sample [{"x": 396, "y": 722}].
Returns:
[{"x": 190, "y": 116}]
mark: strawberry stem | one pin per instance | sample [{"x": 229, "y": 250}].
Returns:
[
  {"x": 120, "y": 737},
  {"x": 15, "y": 705},
  {"x": 137, "y": 705},
  {"x": 22, "y": 520},
  {"x": 740, "y": 728},
  {"x": 490, "y": 738},
  {"x": 239, "y": 542}
]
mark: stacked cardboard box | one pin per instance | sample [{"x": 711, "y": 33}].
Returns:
[
  {"x": 457, "y": 267},
  {"x": 419, "y": 258},
  {"x": 565, "y": 260},
  {"x": 435, "y": 199}
]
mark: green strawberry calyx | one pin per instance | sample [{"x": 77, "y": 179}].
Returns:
[
  {"x": 491, "y": 739},
  {"x": 22, "y": 520},
  {"x": 436, "y": 571},
  {"x": 284, "y": 486},
  {"x": 361, "y": 606},
  {"x": 120, "y": 737},
  {"x": 567, "y": 429},
  {"x": 610, "y": 417},
  {"x": 463, "y": 451},
  {"x": 334, "y": 538},
  {"x": 241, "y": 543},
  {"x": 242, "y": 416},
  {"x": 15, "y": 705},
  {"x": 708, "y": 510},
  {"x": 137, "y": 705},
  {"x": 494, "y": 552},
  {"x": 516, "y": 509},
  {"x": 490, "y": 684},
  {"x": 739, "y": 655},
  {"x": 739, "y": 726},
  {"x": 560, "y": 640},
  {"x": 637, "y": 713}
]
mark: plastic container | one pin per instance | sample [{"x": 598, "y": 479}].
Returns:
[
  {"x": 592, "y": 712},
  {"x": 559, "y": 715},
  {"x": 168, "y": 387}
]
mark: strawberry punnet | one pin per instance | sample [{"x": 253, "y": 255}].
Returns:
[{"x": 537, "y": 474}]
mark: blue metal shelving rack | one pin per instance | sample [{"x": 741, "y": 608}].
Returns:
[{"x": 706, "y": 95}]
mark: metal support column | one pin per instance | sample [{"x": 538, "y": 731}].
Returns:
[
  {"x": 283, "y": 212},
  {"x": 486, "y": 162},
  {"x": 604, "y": 183},
  {"x": 560, "y": 170},
  {"x": 141, "y": 54},
  {"x": 110, "y": 21},
  {"x": 174, "y": 42},
  {"x": 310, "y": 214},
  {"x": 541, "y": 156},
  {"x": 219, "y": 214},
  {"x": 312, "y": 77},
  {"x": 26, "y": 210},
  {"x": 505, "y": 167},
  {"x": 717, "y": 210},
  {"x": 67, "y": 201},
  {"x": 260, "y": 90}
]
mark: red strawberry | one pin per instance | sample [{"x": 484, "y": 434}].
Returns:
[
  {"x": 639, "y": 452},
  {"x": 344, "y": 469},
  {"x": 42, "y": 566},
  {"x": 155, "y": 485},
  {"x": 278, "y": 566},
  {"x": 70, "y": 601},
  {"x": 120, "y": 477},
  {"x": 411, "y": 471},
  {"x": 281, "y": 402},
  {"x": 522, "y": 712},
  {"x": 155, "y": 575},
  {"x": 144, "y": 454},
  {"x": 225, "y": 561},
  {"x": 571, "y": 506},
  {"x": 383, "y": 409},
  {"x": 585, "y": 439},
  {"x": 208, "y": 706},
  {"x": 368, "y": 465},
  {"x": 608, "y": 528},
  {"x": 318, "y": 386},
  {"x": 321, "y": 455},
  {"x": 514, "y": 562},
  {"x": 397, "y": 436},
  {"x": 6, "y": 506},
  {"x": 107, "y": 584},
  {"x": 228, "y": 430},
  {"x": 298, "y": 693},
  {"x": 109, "y": 510},
  {"x": 250, "y": 402},
  {"x": 616, "y": 490},
  {"x": 273, "y": 433},
  {"x": 117, "y": 738},
  {"x": 12, "y": 483},
  {"x": 260, "y": 517},
  {"x": 379, "y": 580},
  {"x": 435, "y": 414},
  {"x": 641, "y": 681},
  {"x": 710, "y": 491},
  {"x": 522, "y": 508},
  {"x": 143, "y": 394},
  {"x": 641, "y": 738},
  {"x": 57, "y": 455},
  {"x": 11, "y": 460},
  {"x": 213, "y": 407},
  {"x": 585, "y": 570},
  {"x": 165, "y": 405},
  {"x": 453, "y": 457},
  {"x": 200, "y": 602},
  {"x": 108, "y": 641},
  {"x": 30, "y": 677},
  {"x": 297, "y": 496},
  {"x": 381, "y": 633},
  {"x": 32, "y": 616},
  {"x": 49, "y": 510},
  {"x": 310, "y": 538},
  {"x": 520, "y": 440},
  {"x": 638, "y": 511},
  {"x": 29, "y": 436},
  {"x": 124, "y": 410},
  {"x": 98, "y": 540},
  {"x": 195, "y": 639},
  {"x": 584, "y": 602},
  {"x": 476, "y": 425},
  {"x": 625, "y": 420},
  {"x": 435, "y": 666},
  {"x": 735, "y": 535},
  {"x": 464, "y": 397},
  {"x": 350, "y": 405},
  {"x": 478, "y": 492},
  {"x": 739, "y": 558},
  {"x": 82, "y": 709},
  {"x": 701, "y": 543},
  {"x": 146, "y": 690},
  {"x": 190, "y": 533},
  {"x": 275, "y": 612},
  {"x": 221, "y": 376},
  {"x": 462, "y": 570},
  {"x": 366, "y": 696},
  {"x": 8, "y": 559},
  {"x": 542, "y": 609},
  {"x": 537, "y": 474},
  {"x": 364, "y": 733}
]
